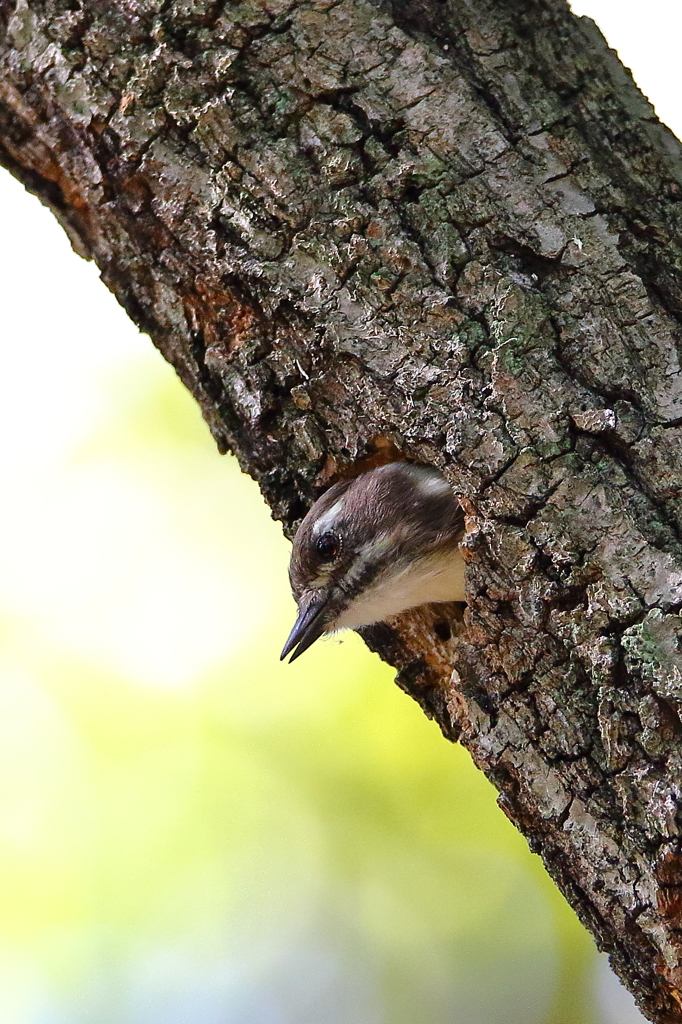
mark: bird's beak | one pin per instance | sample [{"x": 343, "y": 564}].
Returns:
[{"x": 308, "y": 626}]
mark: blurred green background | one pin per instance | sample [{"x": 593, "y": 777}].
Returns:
[{"x": 189, "y": 830}]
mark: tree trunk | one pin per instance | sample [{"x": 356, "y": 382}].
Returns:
[{"x": 441, "y": 231}]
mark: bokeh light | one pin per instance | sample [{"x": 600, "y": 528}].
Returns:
[{"x": 189, "y": 830}]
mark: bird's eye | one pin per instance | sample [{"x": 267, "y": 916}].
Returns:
[{"x": 328, "y": 546}]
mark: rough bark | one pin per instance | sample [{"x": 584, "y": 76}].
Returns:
[{"x": 443, "y": 231}]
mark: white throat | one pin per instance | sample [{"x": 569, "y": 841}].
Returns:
[{"x": 434, "y": 578}]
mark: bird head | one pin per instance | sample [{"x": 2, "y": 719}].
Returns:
[{"x": 372, "y": 547}]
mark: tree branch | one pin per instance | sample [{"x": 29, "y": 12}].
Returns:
[{"x": 445, "y": 232}]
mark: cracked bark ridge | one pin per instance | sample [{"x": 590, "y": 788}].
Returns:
[{"x": 439, "y": 231}]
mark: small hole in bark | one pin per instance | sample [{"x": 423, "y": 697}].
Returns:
[
  {"x": 442, "y": 631},
  {"x": 412, "y": 194}
]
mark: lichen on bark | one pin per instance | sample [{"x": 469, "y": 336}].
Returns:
[{"x": 438, "y": 231}]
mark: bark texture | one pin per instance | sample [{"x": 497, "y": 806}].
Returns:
[{"x": 443, "y": 231}]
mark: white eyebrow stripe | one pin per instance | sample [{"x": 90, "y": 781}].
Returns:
[
  {"x": 433, "y": 484},
  {"x": 326, "y": 521}
]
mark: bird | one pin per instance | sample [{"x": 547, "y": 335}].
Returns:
[{"x": 372, "y": 547}]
